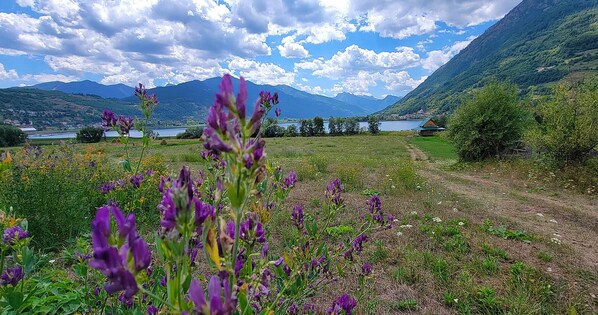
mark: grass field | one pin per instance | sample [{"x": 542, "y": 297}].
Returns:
[{"x": 466, "y": 241}]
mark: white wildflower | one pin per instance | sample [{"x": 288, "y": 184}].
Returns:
[
  {"x": 539, "y": 214},
  {"x": 399, "y": 233},
  {"x": 413, "y": 213},
  {"x": 406, "y": 226},
  {"x": 461, "y": 223},
  {"x": 555, "y": 240},
  {"x": 440, "y": 202},
  {"x": 436, "y": 219},
  {"x": 553, "y": 221},
  {"x": 456, "y": 300},
  {"x": 52, "y": 261},
  {"x": 549, "y": 269},
  {"x": 393, "y": 186}
]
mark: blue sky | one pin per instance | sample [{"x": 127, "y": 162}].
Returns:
[{"x": 364, "y": 47}]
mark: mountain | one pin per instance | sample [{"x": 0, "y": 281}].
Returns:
[
  {"x": 538, "y": 43},
  {"x": 367, "y": 103},
  {"x": 193, "y": 99},
  {"x": 87, "y": 88},
  {"x": 74, "y": 104}
]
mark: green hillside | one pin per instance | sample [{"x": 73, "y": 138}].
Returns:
[
  {"x": 538, "y": 43},
  {"x": 53, "y": 109}
]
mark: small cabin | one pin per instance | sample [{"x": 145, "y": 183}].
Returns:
[{"x": 428, "y": 128}]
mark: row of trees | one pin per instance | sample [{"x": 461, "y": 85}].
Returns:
[
  {"x": 316, "y": 127},
  {"x": 495, "y": 121},
  {"x": 11, "y": 136}
]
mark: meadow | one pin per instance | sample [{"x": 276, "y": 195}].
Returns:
[{"x": 486, "y": 238}]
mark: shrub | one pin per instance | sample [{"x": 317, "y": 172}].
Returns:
[
  {"x": 274, "y": 131},
  {"x": 490, "y": 123},
  {"x": 90, "y": 134},
  {"x": 566, "y": 132},
  {"x": 11, "y": 136},
  {"x": 191, "y": 133},
  {"x": 374, "y": 124}
]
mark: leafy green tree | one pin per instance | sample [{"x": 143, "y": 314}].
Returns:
[
  {"x": 567, "y": 123},
  {"x": 306, "y": 128},
  {"x": 332, "y": 127},
  {"x": 489, "y": 123},
  {"x": 11, "y": 136},
  {"x": 319, "y": 126},
  {"x": 291, "y": 131},
  {"x": 374, "y": 124},
  {"x": 351, "y": 126}
]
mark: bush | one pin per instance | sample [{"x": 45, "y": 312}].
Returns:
[
  {"x": 490, "y": 123},
  {"x": 90, "y": 134},
  {"x": 566, "y": 131},
  {"x": 274, "y": 131},
  {"x": 374, "y": 124},
  {"x": 191, "y": 133},
  {"x": 11, "y": 136}
]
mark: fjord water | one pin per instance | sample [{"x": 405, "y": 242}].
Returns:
[{"x": 399, "y": 125}]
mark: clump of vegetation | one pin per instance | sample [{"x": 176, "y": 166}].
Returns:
[
  {"x": 488, "y": 124},
  {"x": 374, "y": 124},
  {"x": 566, "y": 131},
  {"x": 190, "y": 133},
  {"x": 11, "y": 136},
  {"x": 90, "y": 134},
  {"x": 503, "y": 232}
]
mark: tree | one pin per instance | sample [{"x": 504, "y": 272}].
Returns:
[
  {"x": 306, "y": 128},
  {"x": 319, "y": 126},
  {"x": 351, "y": 126},
  {"x": 567, "y": 124},
  {"x": 291, "y": 131},
  {"x": 332, "y": 128},
  {"x": 11, "y": 136},
  {"x": 489, "y": 123},
  {"x": 374, "y": 124}
]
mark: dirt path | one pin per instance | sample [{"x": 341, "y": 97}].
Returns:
[{"x": 573, "y": 220}]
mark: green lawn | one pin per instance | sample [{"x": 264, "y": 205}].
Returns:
[{"x": 437, "y": 148}]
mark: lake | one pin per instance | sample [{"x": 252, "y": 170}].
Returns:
[{"x": 399, "y": 125}]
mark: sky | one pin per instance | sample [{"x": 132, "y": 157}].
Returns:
[{"x": 364, "y": 47}]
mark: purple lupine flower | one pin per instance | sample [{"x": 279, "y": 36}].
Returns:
[
  {"x": 203, "y": 212},
  {"x": 150, "y": 173},
  {"x": 309, "y": 308},
  {"x": 136, "y": 180},
  {"x": 357, "y": 243},
  {"x": 152, "y": 310},
  {"x": 297, "y": 216},
  {"x": 196, "y": 295},
  {"x": 239, "y": 262},
  {"x": 125, "y": 124},
  {"x": 107, "y": 187},
  {"x": 343, "y": 302},
  {"x": 265, "y": 250},
  {"x": 115, "y": 262},
  {"x": 119, "y": 183},
  {"x": 140, "y": 91},
  {"x": 230, "y": 229},
  {"x": 293, "y": 309},
  {"x": 366, "y": 269},
  {"x": 82, "y": 257},
  {"x": 290, "y": 180},
  {"x": 249, "y": 228},
  {"x": 333, "y": 191},
  {"x": 127, "y": 302},
  {"x": 277, "y": 112},
  {"x": 108, "y": 119},
  {"x": 13, "y": 234},
  {"x": 12, "y": 276}
]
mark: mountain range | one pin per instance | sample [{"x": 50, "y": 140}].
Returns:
[
  {"x": 537, "y": 44},
  {"x": 79, "y": 103}
]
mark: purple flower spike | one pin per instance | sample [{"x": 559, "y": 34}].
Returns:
[
  {"x": 12, "y": 276},
  {"x": 108, "y": 119},
  {"x": 343, "y": 302},
  {"x": 290, "y": 180},
  {"x": 366, "y": 269},
  {"x": 197, "y": 296},
  {"x": 277, "y": 112},
  {"x": 114, "y": 262},
  {"x": 297, "y": 216},
  {"x": 152, "y": 310},
  {"x": 242, "y": 98},
  {"x": 333, "y": 191},
  {"x": 13, "y": 234}
]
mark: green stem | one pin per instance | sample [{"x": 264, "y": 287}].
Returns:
[
  {"x": 159, "y": 299},
  {"x": 144, "y": 144},
  {"x": 104, "y": 305},
  {"x": 2, "y": 262},
  {"x": 235, "y": 245}
]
